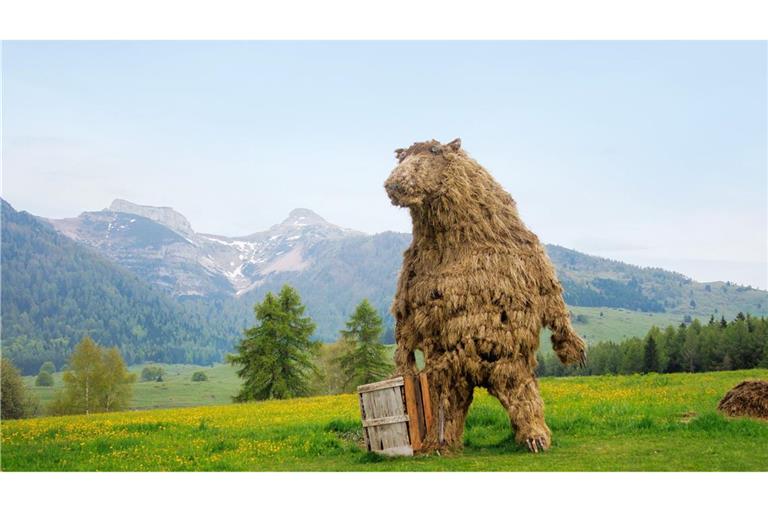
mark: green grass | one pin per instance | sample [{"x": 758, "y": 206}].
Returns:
[
  {"x": 624, "y": 423},
  {"x": 176, "y": 390},
  {"x": 618, "y": 324}
]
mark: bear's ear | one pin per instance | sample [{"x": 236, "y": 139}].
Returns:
[
  {"x": 455, "y": 144},
  {"x": 399, "y": 154}
]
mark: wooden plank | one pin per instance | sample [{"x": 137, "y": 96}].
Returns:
[
  {"x": 398, "y": 451},
  {"x": 394, "y": 435},
  {"x": 420, "y": 409},
  {"x": 426, "y": 401},
  {"x": 412, "y": 409},
  {"x": 375, "y": 422},
  {"x": 365, "y": 430},
  {"x": 391, "y": 383},
  {"x": 373, "y": 437}
]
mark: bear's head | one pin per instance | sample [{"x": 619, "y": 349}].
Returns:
[{"x": 419, "y": 174}]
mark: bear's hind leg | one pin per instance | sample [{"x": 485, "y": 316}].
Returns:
[
  {"x": 451, "y": 393},
  {"x": 516, "y": 388}
]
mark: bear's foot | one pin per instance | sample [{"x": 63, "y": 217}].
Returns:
[
  {"x": 537, "y": 440},
  {"x": 537, "y": 444}
]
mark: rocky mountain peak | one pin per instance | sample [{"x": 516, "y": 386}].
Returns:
[
  {"x": 161, "y": 214},
  {"x": 303, "y": 217}
]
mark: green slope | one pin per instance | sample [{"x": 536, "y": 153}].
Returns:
[{"x": 54, "y": 291}]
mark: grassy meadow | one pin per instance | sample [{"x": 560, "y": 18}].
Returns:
[
  {"x": 616, "y": 324},
  {"x": 622, "y": 423},
  {"x": 178, "y": 390}
]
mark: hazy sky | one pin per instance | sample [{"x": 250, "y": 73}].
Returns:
[{"x": 652, "y": 153}]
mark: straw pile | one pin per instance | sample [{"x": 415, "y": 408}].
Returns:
[
  {"x": 475, "y": 289},
  {"x": 750, "y": 398}
]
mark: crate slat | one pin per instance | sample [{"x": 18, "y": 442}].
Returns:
[
  {"x": 411, "y": 404},
  {"x": 426, "y": 400},
  {"x": 390, "y": 383},
  {"x": 400, "y": 418}
]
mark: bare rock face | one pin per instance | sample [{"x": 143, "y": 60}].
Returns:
[
  {"x": 161, "y": 214},
  {"x": 160, "y": 244}
]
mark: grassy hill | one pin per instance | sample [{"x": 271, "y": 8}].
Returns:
[
  {"x": 178, "y": 390},
  {"x": 652, "y": 422},
  {"x": 598, "y": 282}
]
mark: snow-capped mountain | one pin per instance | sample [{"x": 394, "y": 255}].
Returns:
[
  {"x": 160, "y": 244},
  {"x": 335, "y": 268}
]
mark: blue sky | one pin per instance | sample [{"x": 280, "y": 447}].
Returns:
[{"x": 653, "y": 153}]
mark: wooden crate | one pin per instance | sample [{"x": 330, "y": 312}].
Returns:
[{"x": 395, "y": 414}]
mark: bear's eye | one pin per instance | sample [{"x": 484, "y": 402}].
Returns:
[{"x": 434, "y": 150}]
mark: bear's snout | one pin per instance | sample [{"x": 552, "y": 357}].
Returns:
[{"x": 395, "y": 190}]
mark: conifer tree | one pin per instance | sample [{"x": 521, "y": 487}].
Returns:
[
  {"x": 365, "y": 358},
  {"x": 275, "y": 356},
  {"x": 651, "y": 356}
]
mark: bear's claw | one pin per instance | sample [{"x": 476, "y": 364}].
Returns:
[{"x": 536, "y": 444}]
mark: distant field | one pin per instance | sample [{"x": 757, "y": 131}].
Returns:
[
  {"x": 625, "y": 423},
  {"x": 178, "y": 390},
  {"x": 618, "y": 324}
]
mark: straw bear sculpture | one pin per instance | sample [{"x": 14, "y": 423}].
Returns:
[{"x": 475, "y": 289}]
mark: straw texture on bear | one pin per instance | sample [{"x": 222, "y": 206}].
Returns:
[{"x": 475, "y": 289}]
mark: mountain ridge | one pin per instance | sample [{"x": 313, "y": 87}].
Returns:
[
  {"x": 55, "y": 291},
  {"x": 216, "y": 280},
  {"x": 314, "y": 255},
  {"x": 188, "y": 263}
]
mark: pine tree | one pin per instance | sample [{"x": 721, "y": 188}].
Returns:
[
  {"x": 275, "y": 356},
  {"x": 365, "y": 358},
  {"x": 651, "y": 356}
]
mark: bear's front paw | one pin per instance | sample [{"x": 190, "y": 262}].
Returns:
[{"x": 571, "y": 351}]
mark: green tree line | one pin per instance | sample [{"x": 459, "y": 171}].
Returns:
[{"x": 715, "y": 345}]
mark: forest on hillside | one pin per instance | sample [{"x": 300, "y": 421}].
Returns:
[
  {"x": 55, "y": 292},
  {"x": 690, "y": 347}
]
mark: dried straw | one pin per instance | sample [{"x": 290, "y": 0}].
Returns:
[
  {"x": 750, "y": 398},
  {"x": 475, "y": 289}
]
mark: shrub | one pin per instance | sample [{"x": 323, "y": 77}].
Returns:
[
  {"x": 16, "y": 401},
  {"x": 44, "y": 379},
  {"x": 152, "y": 373},
  {"x": 199, "y": 377}
]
